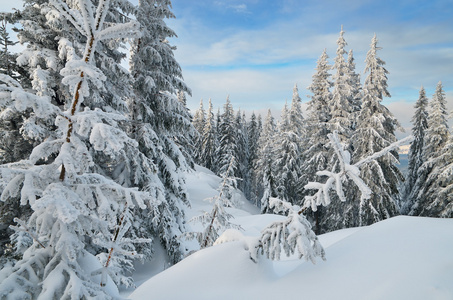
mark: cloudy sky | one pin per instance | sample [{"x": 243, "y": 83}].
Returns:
[{"x": 256, "y": 50}]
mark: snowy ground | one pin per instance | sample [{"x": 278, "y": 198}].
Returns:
[{"x": 400, "y": 258}]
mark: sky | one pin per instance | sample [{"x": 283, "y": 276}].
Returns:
[{"x": 255, "y": 51}]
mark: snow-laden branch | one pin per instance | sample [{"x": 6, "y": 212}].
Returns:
[
  {"x": 347, "y": 171},
  {"x": 386, "y": 150}
]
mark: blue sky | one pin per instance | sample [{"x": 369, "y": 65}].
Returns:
[{"x": 256, "y": 50}]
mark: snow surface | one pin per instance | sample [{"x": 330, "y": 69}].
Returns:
[{"x": 399, "y": 258}]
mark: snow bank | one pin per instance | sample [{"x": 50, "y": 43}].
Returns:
[{"x": 400, "y": 258}]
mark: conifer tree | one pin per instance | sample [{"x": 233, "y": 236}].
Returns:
[
  {"x": 420, "y": 125},
  {"x": 243, "y": 154},
  {"x": 218, "y": 220},
  {"x": 264, "y": 164},
  {"x": 375, "y": 131},
  {"x": 356, "y": 88},
  {"x": 316, "y": 154},
  {"x": 199, "y": 121},
  {"x": 227, "y": 138},
  {"x": 288, "y": 152},
  {"x": 427, "y": 187},
  {"x": 253, "y": 132},
  {"x": 319, "y": 115},
  {"x": 69, "y": 179},
  {"x": 341, "y": 109},
  {"x": 210, "y": 141},
  {"x": 8, "y": 64},
  {"x": 161, "y": 120}
]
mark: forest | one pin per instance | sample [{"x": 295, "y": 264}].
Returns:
[{"x": 94, "y": 157}]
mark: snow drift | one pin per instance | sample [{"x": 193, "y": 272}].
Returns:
[{"x": 399, "y": 258}]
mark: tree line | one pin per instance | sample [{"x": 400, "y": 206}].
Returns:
[{"x": 278, "y": 159}]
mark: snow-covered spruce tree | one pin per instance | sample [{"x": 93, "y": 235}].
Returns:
[
  {"x": 356, "y": 88},
  {"x": 375, "y": 130},
  {"x": 341, "y": 107},
  {"x": 316, "y": 154},
  {"x": 199, "y": 122},
  {"x": 294, "y": 235},
  {"x": 159, "y": 120},
  {"x": 209, "y": 141},
  {"x": 13, "y": 146},
  {"x": 253, "y": 131},
  {"x": 19, "y": 130},
  {"x": 342, "y": 121},
  {"x": 218, "y": 219},
  {"x": 288, "y": 151},
  {"x": 264, "y": 163},
  {"x": 184, "y": 140},
  {"x": 227, "y": 139},
  {"x": 8, "y": 63},
  {"x": 420, "y": 125},
  {"x": 426, "y": 189},
  {"x": 67, "y": 178},
  {"x": 243, "y": 154},
  {"x": 278, "y": 151},
  {"x": 442, "y": 205}
]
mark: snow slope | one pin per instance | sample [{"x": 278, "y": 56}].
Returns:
[{"x": 400, "y": 258}]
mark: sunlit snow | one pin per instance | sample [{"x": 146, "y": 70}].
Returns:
[{"x": 399, "y": 258}]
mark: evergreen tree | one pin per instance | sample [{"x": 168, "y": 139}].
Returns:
[
  {"x": 442, "y": 205},
  {"x": 318, "y": 118},
  {"x": 253, "y": 131},
  {"x": 8, "y": 63},
  {"x": 356, "y": 88},
  {"x": 243, "y": 154},
  {"x": 210, "y": 141},
  {"x": 264, "y": 163},
  {"x": 199, "y": 121},
  {"x": 228, "y": 147},
  {"x": 316, "y": 154},
  {"x": 218, "y": 220},
  {"x": 375, "y": 131},
  {"x": 432, "y": 173},
  {"x": 420, "y": 125},
  {"x": 161, "y": 120},
  {"x": 67, "y": 179},
  {"x": 288, "y": 152},
  {"x": 341, "y": 109}
]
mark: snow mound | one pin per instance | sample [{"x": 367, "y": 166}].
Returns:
[{"x": 399, "y": 258}]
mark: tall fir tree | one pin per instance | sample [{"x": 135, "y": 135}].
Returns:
[
  {"x": 375, "y": 131},
  {"x": 209, "y": 141},
  {"x": 288, "y": 152},
  {"x": 426, "y": 189},
  {"x": 420, "y": 126},
  {"x": 356, "y": 88},
  {"x": 319, "y": 115},
  {"x": 228, "y": 147},
  {"x": 264, "y": 163},
  {"x": 198, "y": 121},
  {"x": 253, "y": 132},
  {"x": 316, "y": 153},
  {"x": 162, "y": 120},
  {"x": 243, "y": 154},
  {"x": 341, "y": 109}
]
